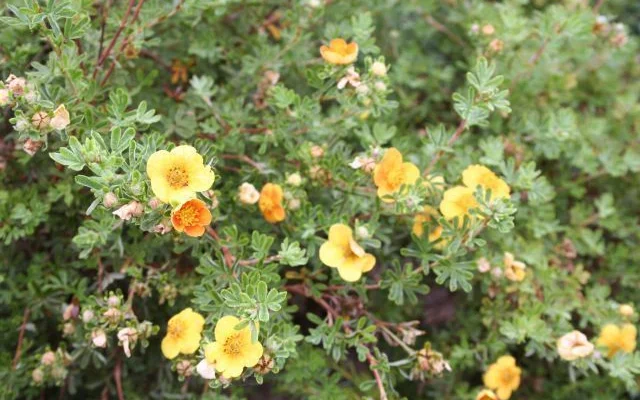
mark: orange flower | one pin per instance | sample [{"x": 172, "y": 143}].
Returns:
[
  {"x": 339, "y": 52},
  {"x": 271, "y": 203},
  {"x": 191, "y": 217},
  {"x": 391, "y": 173}
]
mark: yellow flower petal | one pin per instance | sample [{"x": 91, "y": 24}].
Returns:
[
  {"x": 457, "y": 201},
  {"x": 411, "y": 173},
  {"x": 331, "y": 254},
  {"x": 340, "y": 235},
  {"x": 350, "y": 272},
  {"x": 225, "y": 327},
  {"x": 170, "y": 347},
  {"x": 254, "y": 352}
]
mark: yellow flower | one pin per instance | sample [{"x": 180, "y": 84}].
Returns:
[
  {"x": 391, "y": 173},
  {"x": 339, "y": 52},
  {"x": 183, "y": 334},
  {"x": 343, "y": 252},
  {"x": 177, "y": 175},
  {"x": 616, "y": 338},
  {"x": 457, "y": 201},
  {"x": 270, "y": 203},
  {"x": 233, "y": 349},
  {"x": 428, "y": 215},
  {"x": 479, "y": 175},
  {"x": 574, "y": 345},
  {"x": 486, "y": 395},
  {"x": 503, "y": 376},
  {"x": 513, "y": 270}
]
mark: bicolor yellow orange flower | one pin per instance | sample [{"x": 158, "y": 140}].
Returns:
[
  {"x": 503, "y": 377},
  {"x": 191, "y": 217},
  {"x": 514, "y": 270},
  {"x": 457, "y": 202},
  {"x": 233, "y": 349},
  {"x": 574, "y": 345},
  {"x": 486, "y": 395},
  {"x": 479, "y": 175},
  {"x": 177, "y": 175},
  {"x": 341, "y": 251},
  {"x": 618, "y": 338},
  {"x": 270, "y": 203},
  {"x": 428, "y": 216},
  {"x": 183, "y": 334},
  {"x": 391, "y": 173},
  {"x": 339, "y": 52}
]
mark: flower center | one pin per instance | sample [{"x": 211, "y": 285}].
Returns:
[
  {"x": 188, "y": 215},
  {"x": 177, "y": 177},
  {"x": 175, "y": 329},
  {"x": 233, "y": 345},
  {"x": 506, "y": 377},
  {"x": 467, "y": 202},
  {"x": 395, "y": 178}
]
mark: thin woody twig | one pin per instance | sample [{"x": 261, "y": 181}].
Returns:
[
  {"x": 107, "y": 51},
  {"x": 23, "y": 327}
]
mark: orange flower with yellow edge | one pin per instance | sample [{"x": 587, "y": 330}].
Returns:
[
  {"x": 341, "y": 251},
  {"x": 392, "y": 172},
  {"x": 618, "y": 338},
  {"x": 428, "y": 215},
  {"x": 183, "y": 334},
  {"x": 191, "y": 217},
  {"x": 486, "y": 394},
  {"x": 177, "y": 175},
  {"x": 339, "y": 52},
  {"x": 503, "y": 377},
  {"x": 270, "y": 203}
]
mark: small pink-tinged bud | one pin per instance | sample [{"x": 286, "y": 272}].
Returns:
[
  {"x": 127, "y": 337},
  {"x": 113, "y": 315},
  {"x": 483, "y": 265},
  {"x": 294, "y": 179},
  {"x": 40, "y": 120},
  {"x": 163, "y": 227},
  {"x": 380, "y": 86},
  {"x": 48, "y": 358},
  {"x": 113, "y": 301},
  {"x": 60, "y": 118},
  {"x": 31, "y": 146},
  {"x": 4, "y": 97},
  {"x": 70, "y": 311},
  {"x": 378, "y": 68},
  {"x": 130, "y": 210},
  {"x": 248, "y": 194},
  {"x": 110, "y": 200},
  {"x": 99, "y": 338},
  {"x": 317, "y": 151},
  {"x": 184, "y": 368},
  {"x": 293, "y": 204},
  {"x": 16, "y": 85},
  {"x": 154, "y": 203},
  {"x": 68, "y": 329},
  {"x": 87, "y": 315},
  {"x": 488, "y": 30},
  {"x": 37, "y": 376}
]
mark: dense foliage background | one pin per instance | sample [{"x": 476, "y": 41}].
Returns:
[{"x": 543, "y": 93}]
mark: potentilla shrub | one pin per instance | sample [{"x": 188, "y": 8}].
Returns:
[{"x": 317, "y": 199}]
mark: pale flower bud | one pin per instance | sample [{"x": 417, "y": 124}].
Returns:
[
  {"x": 99, "y": 338},
  {"x": 48, "y": 358},
  {"x": 40, "y": 120},
  {"x": 378, "y": 68},
  {"x": 293, "y": 204},
  {"x": 4, "y": 97},
  {"x": 362, "y": 89},
  {"x": 37, "y": 376},
  {"x": 206, "y": 370},
  {"x": 16, "y": 85},
  {"x": 60, "y": 118},
  {"x": 163, "y": 227},
  {"x": 265, "y": 364},
  {"x": 154, "y": 203},
  {"x": 127, "y": 337},
  {"x": 380, "y": 86},
  {"x": 87, "y": 315},
  {"x": 496, "y": 45},
  {"x": 130, "y": 210},
  {"x": 109, "y": 200},
  {"x": 248, "y": 194},
  {"x": 31, "y": 146},
  {"x": 488, "y": 30},
  {"x": 68, "y": 329},
  {"x": 294, "y": 179},
  {"x": 113, "y": 301},
  {"x": 574, "y": 345},
  {"x": 70, "y": 311},
  {"x": 483, "y": 265},
  {"x": 31, "y": 96},
  {"x": 21, "y": 125},
  {"x": 112, "y": 315},
  {"x": 317, "y": 151},
  {"x": 626, "y": 310},
  {"x": 362, "y": 232}
]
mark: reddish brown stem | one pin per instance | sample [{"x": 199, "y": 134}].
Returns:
[
  {"x": 242, "y": 158},
  {"x": 117, "y": 376},
  {"x": 228, "y": 257},
  {"x": 23, "y": 327},
  {"x": 107, "y": 51},
  {"x": 100, "y": 274}
]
